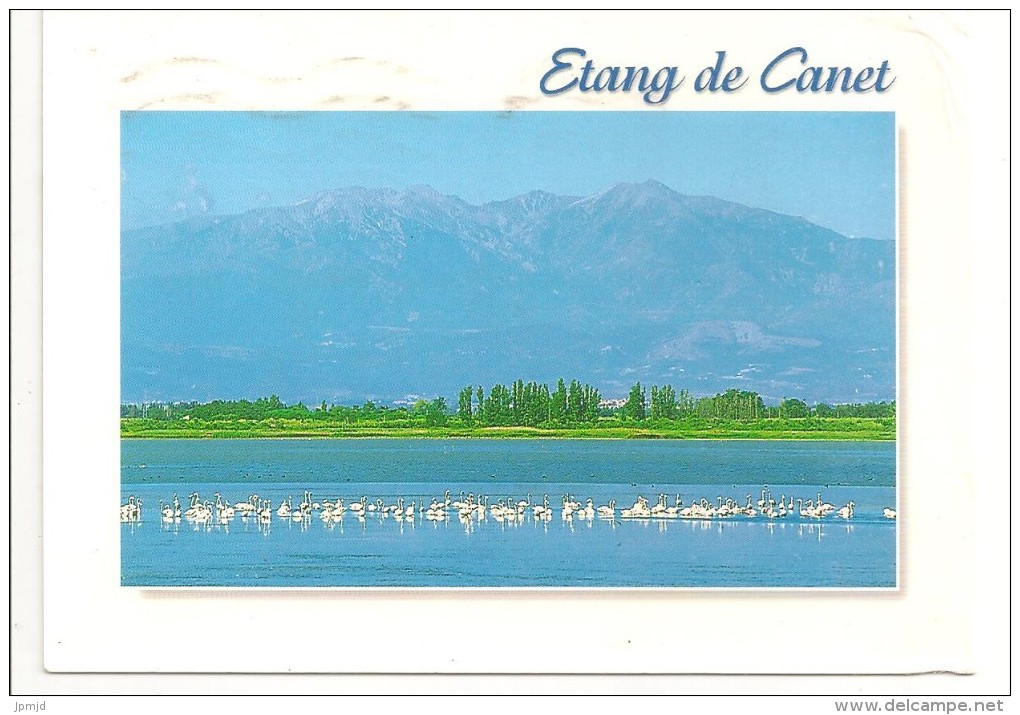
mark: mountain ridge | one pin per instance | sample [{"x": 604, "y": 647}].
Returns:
[{"x": 599, "y": 287}]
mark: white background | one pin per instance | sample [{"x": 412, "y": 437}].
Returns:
[{"x": 952, "y": 608}]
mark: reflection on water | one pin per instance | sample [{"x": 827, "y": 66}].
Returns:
[
  {"x": 518, "y": 550},
  {"x": 515, "y": 525},
  {"x": 470, "y": 526}
]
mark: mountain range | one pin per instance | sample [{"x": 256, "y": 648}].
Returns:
[{"x": 355, "y": 294}]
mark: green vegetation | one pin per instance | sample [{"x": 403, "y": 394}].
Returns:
[{"x": 522, "y": 410}]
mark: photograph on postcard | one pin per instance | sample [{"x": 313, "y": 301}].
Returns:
[{"x": 508, "y": 349}]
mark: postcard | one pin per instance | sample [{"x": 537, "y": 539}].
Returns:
[{"x": 485, "y": 328}]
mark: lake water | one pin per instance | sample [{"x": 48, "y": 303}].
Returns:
[{"x": 381, "y": 551}]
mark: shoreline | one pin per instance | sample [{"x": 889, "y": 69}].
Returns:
[
  {"x": 836, "y": 430},
  {"x": 798, "y": 438}
]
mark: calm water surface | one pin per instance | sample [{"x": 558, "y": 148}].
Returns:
[{"x": 732, "y": 552}]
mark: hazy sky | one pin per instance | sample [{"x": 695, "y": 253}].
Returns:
[{"x": 836, "y": 169}]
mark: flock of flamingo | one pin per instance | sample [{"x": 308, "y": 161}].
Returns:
[{"x": 472, "y": 507}]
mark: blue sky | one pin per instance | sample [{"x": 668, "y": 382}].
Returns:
[{"x": 836, "y": 169}]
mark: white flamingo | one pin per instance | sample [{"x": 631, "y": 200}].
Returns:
[
  {"x": 129, "y": 511},
  {"x": 823, "y": 508},
  {"x": 539, "y": 509}
]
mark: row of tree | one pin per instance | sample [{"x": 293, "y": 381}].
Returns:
[
  {"x": 529, "y": 404},
  {"x": 432, "y": 412},
  {"x": 520, "y": 404},
  {"x": 667, "y": 404}
]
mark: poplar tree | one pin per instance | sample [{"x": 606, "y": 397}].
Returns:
[
  {"x": 558, "y": 406},
  {"x": 634, "y": 408},
  {"x": 464, "y": 410}
]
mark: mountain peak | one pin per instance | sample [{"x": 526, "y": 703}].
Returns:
[
  {"x": 359, "y": 196},
  {"x": 424, "y": 190},
  {"x": 650, "y": 187},
  {"x": 653, "y": 185},
  {"x": 648, "y": 191}
]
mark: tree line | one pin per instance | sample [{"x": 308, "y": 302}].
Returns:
[
  {"x": 666, "y": 403},
  {"x": 521, "y": 403},
  {"x": 429, "y": 412}
]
